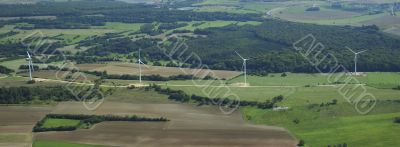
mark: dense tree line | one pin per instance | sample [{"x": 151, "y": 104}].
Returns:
[
  {"x": 26, "y": 67},
  {"x": 181, "y": 96},
  {"x": 397, "y": 120},
  {"x": 87, "y": 120},
  {"x": 7, "y": 34},
  {"x": 145, "y": 77},
  {"x": 21, "y": 95},
  {"x": 5, "y": 70}
]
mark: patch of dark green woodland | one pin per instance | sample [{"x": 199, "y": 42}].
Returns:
[
  {"x": 5, "y": 70},
  {"x": 12, "y": 49},
  {"x": 181, "y": 96},
  {"x": 88, "y": 120},
  {"x": 270, "y": 46},
  {"x": 18, "y": 95},
  {"x": 396, "y": 120},
  {"x": 83, "y": 14},
  {"x": 8, "y": 34},
  {"x": 22, "y": 95}
]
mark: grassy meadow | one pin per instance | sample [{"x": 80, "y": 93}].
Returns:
[
  {"x": 333, "y": 125},
  {"x": 52, "y": 122}
]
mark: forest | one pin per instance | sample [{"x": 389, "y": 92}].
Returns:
[
  {"x": 83, "y": 14},
  {"x": 24, "y": 95}
]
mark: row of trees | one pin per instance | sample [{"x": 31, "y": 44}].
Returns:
[
  {"x": 87, "y": 120},
  {"x": 157, "y": 77},
  {"x": 181, "y": 96},
  {"x": 5, "y": 70},
  {"x": 23, "y": 95}
]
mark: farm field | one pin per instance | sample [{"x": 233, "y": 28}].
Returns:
[
  {"x": 186, "y": 121},
  {"x": 341, "y": 124},
  {"x": 87, "y": 92},
  {"x": 16, "y": 123},
  {"x": 43, "y": 143},
  {"x": 133, "y": 69}
]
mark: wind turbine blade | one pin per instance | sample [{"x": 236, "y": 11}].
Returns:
[
  {"x": 239, "y": 55},
  {"x": 29, "y": 56},
  {"x": 361, "y": 51},
  {"x": 139, "y": 53},
  {"x": 351, "y": 50}
]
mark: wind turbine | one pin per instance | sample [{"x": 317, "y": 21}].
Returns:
[
  {"x": 244, "y": 67},
  {"x": 140, "y": 68},
  {"x": 30, "y": 65},
  {"x": 355, "y": 58}
]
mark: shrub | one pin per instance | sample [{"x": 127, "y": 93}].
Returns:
[
  {"x": 31, "y": 82},
  {"x": 301, "y": 143},
  {"x": 296, "y": 121},
  {"x": 397, "y": 120}
]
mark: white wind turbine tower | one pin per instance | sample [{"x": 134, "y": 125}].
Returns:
[
  {"x": 355, "y": 58},
  {"x": 30, "y": 66},
  {"x": 244, "y": 68},
  {"x": 140, "y": 68}
]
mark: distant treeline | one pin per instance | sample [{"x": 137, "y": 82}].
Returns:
[
  {"x": 83, "y": 14},
  {"x": 181, "y": 96},
  {"x": 145, "y": 77},
  {"x": 21, "y": 95},
  {"x": 18, "y": 95},
  {"x": 270, "y": 46},
  {"x": 5, "y": 70},
  {"x": 87, "y": 120}
]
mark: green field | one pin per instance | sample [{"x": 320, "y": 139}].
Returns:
[
  {"x": 298, "y": 89},
  {"x": 51, "y": 123},
  {"x": 43, "y": 143},
  {"x": 209, "y": 24},
  {"x": 332, "y": 125},
  {"x": 120, "y": 26}
]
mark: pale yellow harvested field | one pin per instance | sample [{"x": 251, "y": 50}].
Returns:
[{"x": 133, "y": 69}]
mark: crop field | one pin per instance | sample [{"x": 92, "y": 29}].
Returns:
[
  {"x": 16, "y": 123},
  {"x": 328, "y": 16},
  {"x": 50, "y": 123},
  {"x": 133, "y": 69},
  {"x": 225, "y": 130},
  {"x": 384, "y": 22},
  {"x": 60, "y": 75},
  {"x": 299, "y": 12},
  {"x": 279, "y": 107},
  {"x": 45, "y": 143}
]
